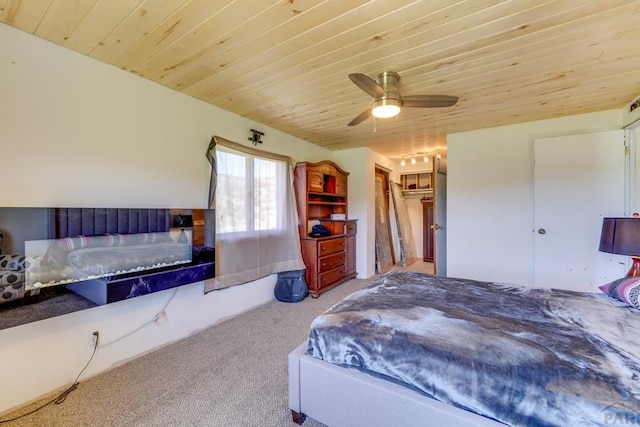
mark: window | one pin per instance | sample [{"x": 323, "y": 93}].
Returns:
[{"x": 249, "y": 191}]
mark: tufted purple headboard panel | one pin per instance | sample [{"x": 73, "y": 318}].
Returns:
[{"x": 72, "y": 222}]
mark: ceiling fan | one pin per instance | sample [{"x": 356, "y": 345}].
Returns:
[{"x": 387, "y": 101}]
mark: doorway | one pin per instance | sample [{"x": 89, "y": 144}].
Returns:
[
  {"x": 440, "y": 216},
  {"x": 385, "y": 257},
  {"x": 427, "y": 229}
]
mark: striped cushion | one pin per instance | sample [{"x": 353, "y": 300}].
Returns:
[{"x": 625, "y": 290}]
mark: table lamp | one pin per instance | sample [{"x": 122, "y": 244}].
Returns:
[{"x": 621, "y": 236}]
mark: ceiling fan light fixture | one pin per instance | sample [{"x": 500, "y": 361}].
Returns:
[
  {"x": 385, "y": 108},
  {"x": 386, "y": 99}
]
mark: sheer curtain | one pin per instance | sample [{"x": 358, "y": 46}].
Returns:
[{"x": 256, "y": 216}]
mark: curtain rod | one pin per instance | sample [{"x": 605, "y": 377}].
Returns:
[{"x": 249, "y": 150}]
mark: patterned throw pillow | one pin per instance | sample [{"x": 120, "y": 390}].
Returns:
[
  {"x": 13, "y": 262},
  {"x": 625, "y": 290}
]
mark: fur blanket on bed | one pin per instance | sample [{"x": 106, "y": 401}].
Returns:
[{"x": 522, "y": 356}]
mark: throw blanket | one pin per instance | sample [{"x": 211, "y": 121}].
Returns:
[
  {"x": 105, "y": 261},
  {"x": 87, "y": 257},
  {"x": 522, "y": 356}
]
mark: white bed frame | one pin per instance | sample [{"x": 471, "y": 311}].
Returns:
[{"x": 338, "y": 396}]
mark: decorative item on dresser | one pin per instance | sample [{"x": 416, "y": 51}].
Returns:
[{"x": 321, "y": 195}]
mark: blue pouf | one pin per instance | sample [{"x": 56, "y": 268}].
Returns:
[{"x": 291, "y": 286}]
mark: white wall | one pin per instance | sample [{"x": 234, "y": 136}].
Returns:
[
  {"x": 362, "y": 201},
  {"x": 76, "y": 132},
  {"x": 490, "y": 195}
]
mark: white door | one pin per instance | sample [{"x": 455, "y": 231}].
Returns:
[
  {"x": 578, "y": 180},
  {"x": 439, "y": 218}
]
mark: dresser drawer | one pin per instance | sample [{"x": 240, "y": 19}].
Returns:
[
  {"x": 331, "y": 276},
  {"x": 331, "y": 246},
  {"x": 330, "y": 262}
]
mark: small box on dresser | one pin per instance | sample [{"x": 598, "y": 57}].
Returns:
[{"x": 321, "y": 196}]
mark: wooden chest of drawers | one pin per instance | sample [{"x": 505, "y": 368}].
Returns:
[
  {"x": 321, "y": 195},
  {"x": 326, "y": 259}
]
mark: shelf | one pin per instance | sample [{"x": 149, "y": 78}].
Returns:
[
  {"x": 415, "y": 194},
  {"x": 419, "y": 190},
  {"x": 321, "y": 202},
  {"x": 419, "y": 181},
  {"x": 314, "y": 193}
]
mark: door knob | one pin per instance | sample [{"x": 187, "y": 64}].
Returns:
[
  {"x": 541, "y": 231},
  {"x": 436, "y": 227}
]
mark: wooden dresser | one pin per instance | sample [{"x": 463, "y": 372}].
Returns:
[{"x": 321, "y": 196}]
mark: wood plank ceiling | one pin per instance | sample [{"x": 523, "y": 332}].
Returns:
[{"x": 284, "y": 63}]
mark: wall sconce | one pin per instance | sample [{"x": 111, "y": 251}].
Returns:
[
  {"x": 621, "y": 236},
  {"x": 412, "y": 157}
]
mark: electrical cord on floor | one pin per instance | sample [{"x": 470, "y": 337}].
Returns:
[{"x": 62, "y": 396}]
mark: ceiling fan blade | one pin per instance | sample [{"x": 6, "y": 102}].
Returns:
[
  {"x": 361, "y": 117},
  {"x": 428, "y": 101},
  {"x": 367, "y": 84}
]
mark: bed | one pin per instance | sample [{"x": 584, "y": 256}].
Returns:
[{"x": 414, "y": 349}]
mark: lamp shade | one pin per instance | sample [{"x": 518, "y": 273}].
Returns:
[{"x": 620, "y": 236}]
